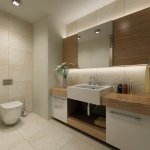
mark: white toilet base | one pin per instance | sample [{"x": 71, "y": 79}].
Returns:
[{"x": 10, "y": 112}]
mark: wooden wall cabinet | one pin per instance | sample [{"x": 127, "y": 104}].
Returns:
[
  {"x": 131, "y": 36},
  {"x": 70, "y": 50}
]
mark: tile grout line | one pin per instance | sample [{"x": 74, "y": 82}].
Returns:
[
  {"x": 75, "y": 136},
  {"x": 26, "y": 140},
  {"x": 30, "y": 136},
  {"x": 66, "y": 142}
]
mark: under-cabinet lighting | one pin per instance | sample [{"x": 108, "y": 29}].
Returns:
[
  {"x": 16, "y": 2},
  {"x": 97, "y": 31}
]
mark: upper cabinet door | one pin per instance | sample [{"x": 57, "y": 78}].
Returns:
[
  {"x": 132, "y": 39},
  {"x": 70, "y": 50}
]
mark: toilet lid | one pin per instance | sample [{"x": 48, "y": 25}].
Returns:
[{"x": 12, "y": 104}]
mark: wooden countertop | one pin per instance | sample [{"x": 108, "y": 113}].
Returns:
[
  {"x": 132, "y": 103},
  {"x": 58, "y": 92}
]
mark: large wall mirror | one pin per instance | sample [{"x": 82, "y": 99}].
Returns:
[{"x": 95, "y": 46}]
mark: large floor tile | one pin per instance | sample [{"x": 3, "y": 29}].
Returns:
[
  {"x": 30, "y": 117},
  {"x": 9, "y": 139},
  {"x": 22, "y": 146},
  {"x": 79, "y": 135},
  {"x": 78, "y": 144},
  {"x": 34, "y": 133},
  {"x": 50, "y": 138},
  {"x": 4, "y": 128},
  {"x": 30, "y": 128}
]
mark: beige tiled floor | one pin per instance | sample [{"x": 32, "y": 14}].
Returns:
[{"x": 35, "y": 133}]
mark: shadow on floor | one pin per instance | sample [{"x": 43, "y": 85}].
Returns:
[{"x": 8, "y": 128}]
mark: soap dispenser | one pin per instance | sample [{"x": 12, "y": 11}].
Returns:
[{"x": 119, "y": 89}]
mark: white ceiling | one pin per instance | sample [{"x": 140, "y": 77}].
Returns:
[{"x": 64, "y": 10}]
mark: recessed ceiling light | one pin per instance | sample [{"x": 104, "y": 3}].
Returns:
[
  {"x": 16, "y": 2},
  {"x": 97, "y": 31}
]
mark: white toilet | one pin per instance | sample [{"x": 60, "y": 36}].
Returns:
[{"x": 10, "y": 112}]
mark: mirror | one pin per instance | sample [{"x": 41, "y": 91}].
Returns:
[{"x": 95, "y": 46}]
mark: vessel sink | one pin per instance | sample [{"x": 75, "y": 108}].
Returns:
[{"x": 87, "y": 93}]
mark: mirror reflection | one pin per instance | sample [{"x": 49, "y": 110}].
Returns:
[{"x": 94, "y": 46}]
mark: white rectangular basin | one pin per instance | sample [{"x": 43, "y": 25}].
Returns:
[{"x": 87, "y": 93}]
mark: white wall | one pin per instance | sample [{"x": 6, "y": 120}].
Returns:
[
  {"x": 40, "y": 67},
  {"x": 47, "y": 54},
  {"x": 115, "y": 10},
  {"x": 57, "y": 32}
]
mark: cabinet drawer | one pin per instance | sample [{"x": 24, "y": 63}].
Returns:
[
  {"x": 126, "y": 130},
  {"x": 59, "y": 108}
]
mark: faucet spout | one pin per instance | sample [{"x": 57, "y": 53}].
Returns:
[{"x": 92, "y": 80}]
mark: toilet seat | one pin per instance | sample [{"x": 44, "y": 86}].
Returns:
[{"x": 11, "y": 105}]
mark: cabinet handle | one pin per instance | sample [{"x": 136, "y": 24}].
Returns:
[{"x": 125, "y": 115}]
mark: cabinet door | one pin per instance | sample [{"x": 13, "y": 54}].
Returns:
[
  {"x": 59, "y": 108},
  {"x": 131, "y": 36},
  {"x": 70, "y": 50},
  {"x": 127, "y": 131}
]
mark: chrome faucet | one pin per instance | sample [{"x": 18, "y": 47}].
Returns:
[{"x": 92, "y": 80}]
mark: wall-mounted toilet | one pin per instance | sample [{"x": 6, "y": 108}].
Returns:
[{"x": 10, "y": 112}]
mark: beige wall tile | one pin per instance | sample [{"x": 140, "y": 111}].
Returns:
[
  {"x": 112, "y": 75},
  {"x": 16, "y": 25},
  {"x": 20, "y": 89},
  {"x": 20, "y": 57},
  {"x": 136, "y": 74},
  {"x": 20, "y": 41},
  {"x": 28, "y": 104},
  {"x": 3, "y": 73},
  {"x": 110, "y": 12},
  {"x": 3, "y": 37},
  {"x": 4, "y": 55},
  {"x": 20, "y": 73},
  {"x": 4, "y": 93},
  {"x": 16, "y": 58},
  {"x": 135, "y": 5},
  {"x": 4, "y": 20},
  {"x": 80, "y": 76}
]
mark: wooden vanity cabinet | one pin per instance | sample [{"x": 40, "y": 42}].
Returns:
[
  {"x": 131, "y": 35},
  {"x": 70, "y": 50}
]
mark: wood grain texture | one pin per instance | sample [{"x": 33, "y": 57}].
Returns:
[
  {"x": 99, "y": 133},
  {"x": 131, "y": 39},
  {"x": 70, "y": 50},
  {"x": 58, "y": 92},
  {"x": 132, "y": 103}
]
